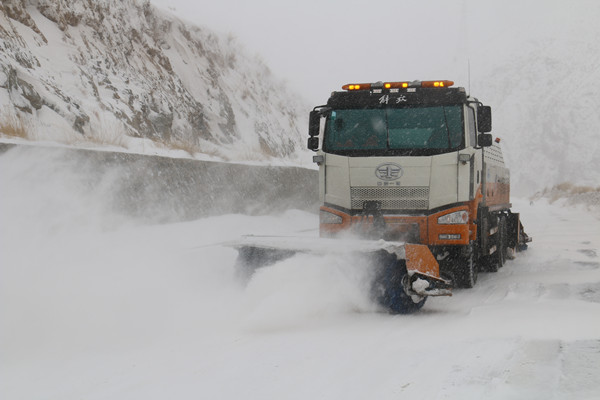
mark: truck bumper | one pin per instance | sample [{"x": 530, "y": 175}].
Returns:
[{"x": 421, "y": 229}]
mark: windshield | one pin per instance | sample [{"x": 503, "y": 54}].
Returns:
[{"x": 394, "y": 131}]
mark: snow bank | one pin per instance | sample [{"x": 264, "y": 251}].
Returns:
[{"x": 569, "y": 195}]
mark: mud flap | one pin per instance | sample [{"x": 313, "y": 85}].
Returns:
[{"x": 517, "y": 239}]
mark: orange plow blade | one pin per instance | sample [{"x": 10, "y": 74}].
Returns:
[{"x": 424, "y": 272}]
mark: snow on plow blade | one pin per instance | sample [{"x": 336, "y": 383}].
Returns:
[{"x": 419, "y": 270}]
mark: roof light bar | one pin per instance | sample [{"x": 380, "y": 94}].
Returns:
[{"x": 398, "y": 85}]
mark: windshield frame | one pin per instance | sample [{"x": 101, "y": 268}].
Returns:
[{"x": 398, "y": 151}]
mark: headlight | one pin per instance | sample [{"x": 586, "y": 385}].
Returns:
[
  {"x": 329, "y": 218},
  {"x": 457, "y": 217}
]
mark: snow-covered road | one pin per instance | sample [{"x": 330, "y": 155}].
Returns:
[{"x": 95, "y": 306}]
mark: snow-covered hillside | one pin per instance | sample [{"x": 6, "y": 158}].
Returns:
[
  {"x": 97, "y": 306},
  {"x": 107, "y": 71}
]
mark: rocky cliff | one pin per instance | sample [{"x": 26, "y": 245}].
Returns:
[{"x": 110, "y": 71}]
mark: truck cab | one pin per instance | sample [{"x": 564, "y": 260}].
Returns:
[{"x": 413, "y": 162}]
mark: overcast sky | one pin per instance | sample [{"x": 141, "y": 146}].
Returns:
[{"x": 316, "y": 46}]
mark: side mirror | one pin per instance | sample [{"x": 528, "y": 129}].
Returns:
[
  {"x": 485, "y": 140},
  {"x": 314, "y": 124},
  {"x": 484, "y": 119},
  {"x": 313, "y": 143}
]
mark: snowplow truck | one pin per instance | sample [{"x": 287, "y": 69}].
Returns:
[{"x": 410, "y": 170}]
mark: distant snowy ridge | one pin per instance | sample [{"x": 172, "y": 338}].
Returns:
[
  {"x": 545, "y": 100},
  {"x": 109, "y": 71}
]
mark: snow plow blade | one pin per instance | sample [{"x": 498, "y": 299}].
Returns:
[{"x": 420, "y": 269}]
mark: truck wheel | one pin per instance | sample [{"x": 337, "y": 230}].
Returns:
[
  {"x": 389, "y": 291},
  {"x": 466, "y": 271}
]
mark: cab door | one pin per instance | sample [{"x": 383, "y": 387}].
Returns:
[{"x": 469, "y": 163}]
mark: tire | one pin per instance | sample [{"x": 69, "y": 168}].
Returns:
[
  {"x": 389, "y": 291},
  {"x": 466, "y": 271}
]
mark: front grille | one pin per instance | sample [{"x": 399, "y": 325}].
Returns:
[{"x": 391, "y": 198}]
